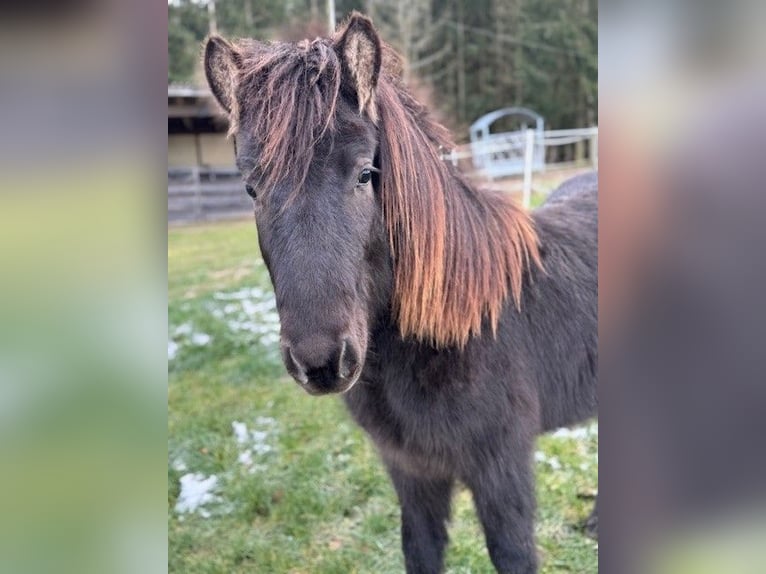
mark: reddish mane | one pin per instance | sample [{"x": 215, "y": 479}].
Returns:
[{"x": 458, "y": 252}]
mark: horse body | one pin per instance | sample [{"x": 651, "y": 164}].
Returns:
[
  {"x": 441, "y": 415},
  {"x": 457, "y": 326},
  {"x": 542, "y": 361}
]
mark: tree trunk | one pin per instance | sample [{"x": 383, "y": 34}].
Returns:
[
  {"x": 461, "y": 111},
  {"x": 248, "y": 15}
]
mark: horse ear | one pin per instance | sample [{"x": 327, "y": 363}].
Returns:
[
  {"x": 359, "y": 48},
  {"x": 222, "y": 63}
]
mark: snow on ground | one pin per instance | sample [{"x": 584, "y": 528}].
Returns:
[
  {"x": 254, "y": 441},
  {"x": 184, "y": 335},
  {"x": 582, "y": 434},
  {"x": 265, "y": 421},
  {"x": 578, "y": 433},
  {"x": 245, "y": 458},
  {"x": 551, "y": 461},
  {"x": 197, "y": 490},
  {"x": 241, "y": 294},
  {"x": 249, "y": 312},
  {"x": 199, "y": 339},
  {"x": 240, "y": 431},
  {"x": 183, "y": 330}
]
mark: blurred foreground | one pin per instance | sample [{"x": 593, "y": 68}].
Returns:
[
  {"x": 682, "y": 277},
  {"x": 82, "y": 311},
  {"x": 82, "y": 294}
]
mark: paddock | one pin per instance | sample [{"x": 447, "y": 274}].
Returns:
[{"x": 264, "y": 478}]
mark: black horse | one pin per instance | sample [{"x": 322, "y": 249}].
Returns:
[{"x": 457, "y": 326}]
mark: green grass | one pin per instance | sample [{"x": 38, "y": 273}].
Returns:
[{"x": 314, "y": 498}]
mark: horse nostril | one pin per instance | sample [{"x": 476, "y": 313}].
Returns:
[
  {"x": 348, "y": 363},
  {"x": 294, "y": 366},
  {"x": 322, "y": 364}
]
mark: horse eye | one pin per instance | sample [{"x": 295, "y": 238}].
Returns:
[
  {"x": 250, "y": 191},
  {"x": 365, "y": 176}
]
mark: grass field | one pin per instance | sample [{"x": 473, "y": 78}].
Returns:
[{"x": 264, "y": 478}]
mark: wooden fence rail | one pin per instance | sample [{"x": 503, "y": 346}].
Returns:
[
  {"x": 210, "y": 194},
  {"x": 206, "y": 194}
]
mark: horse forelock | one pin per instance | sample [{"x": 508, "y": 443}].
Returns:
[{"x": 287, "y": 100}]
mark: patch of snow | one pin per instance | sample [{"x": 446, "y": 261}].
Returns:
[
  {"x": 200, "y": 339},
  {"x": 250, "y": 313},
  {"x": 184, "y": 329},
  {"x": 179, "y": 465},
  {"x": 246, "y": 457},
  {"x": 253, "y": 441},
  {"x": 263, "y": 307},
  {"x": 240, "y": 431},
  {"x": 270, "y": 339},
  {"x": 262, "y": 448},
  {"x": 552, "y": 461},
  {"x": 247, "y": 325},
  {"x": 578, "y": 433},
  {"x": 271, "y": 318},
  {"x": 246, "y": 293},
  {"x": 265, "y": 421},
  {"x": 259, "y": 436},
  {"x": 196, "y": 491},
  {"x": 185, "y": 334}
]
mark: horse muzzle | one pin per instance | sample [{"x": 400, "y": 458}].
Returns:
[{"x": 322, "y": 365}]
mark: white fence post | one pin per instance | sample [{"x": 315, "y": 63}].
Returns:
[
  {"x": 331, "y": 14},
  {"x": 528, "y": 159},
  {"x": 594, "y": 148}
]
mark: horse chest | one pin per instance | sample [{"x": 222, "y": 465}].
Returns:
[{"x": 415, "y": 413}]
